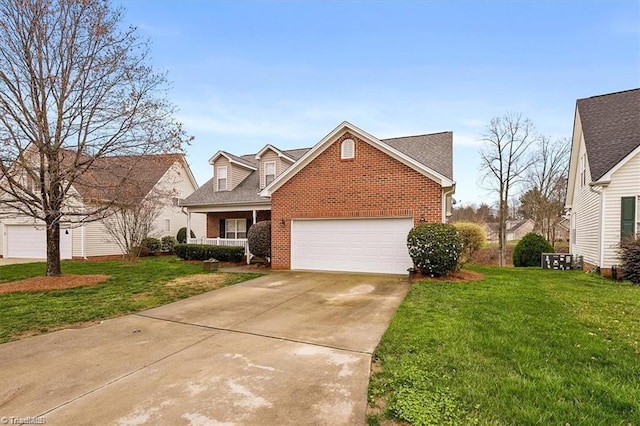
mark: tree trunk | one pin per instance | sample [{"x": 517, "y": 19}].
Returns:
[
  {"x": 502, "y": 228},
  {"x": 53, "y": 247}
]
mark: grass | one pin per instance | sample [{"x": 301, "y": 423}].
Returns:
[
  {"x": 523, "y": 346},
  {"x": 131, "y": 288}
]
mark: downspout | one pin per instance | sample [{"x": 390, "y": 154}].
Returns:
[
  {"x": 592, "y": 188},
  {"x": 444, "y": 201}
]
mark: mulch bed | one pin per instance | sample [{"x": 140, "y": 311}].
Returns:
[
  {"x": 463, "y": 276},
  {"x": 36, "y": 284}
]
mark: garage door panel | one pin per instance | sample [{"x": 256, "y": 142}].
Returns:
[
  {"x": 28, "y": 241},
  {"x": 355, "y": 245}
]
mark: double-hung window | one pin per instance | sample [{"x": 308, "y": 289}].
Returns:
[
  {"x": 235, "y": 228},
  {"x": 222, "y": 178},
  {"x": 269, "y": 172}
]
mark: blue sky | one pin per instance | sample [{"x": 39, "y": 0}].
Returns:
[{"x": 248, "y": 73}]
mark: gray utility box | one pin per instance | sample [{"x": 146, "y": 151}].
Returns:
[{"x": 560, "y": 261}]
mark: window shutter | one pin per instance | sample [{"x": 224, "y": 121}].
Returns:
[
  {"x": 249, "y": 223},
  {"x": 223, "y": 234},
  {"x": 627, "y": 216}
]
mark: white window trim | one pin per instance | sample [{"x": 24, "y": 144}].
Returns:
[
  {"x": 264, "y": 172},
  {"x": 167, "y": 225},
  {"x": 226, "y": 178},
  {"x": 343, "y": 151},
  {"x": 235, "y": 231}
]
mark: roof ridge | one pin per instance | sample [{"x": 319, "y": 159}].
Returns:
[
  {"x": 609, "y": 94},
  {"x": 415, "y": 136},
  {"x": 281, "y": 150}
]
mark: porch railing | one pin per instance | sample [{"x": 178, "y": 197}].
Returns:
[{"x": 236, "y": 242}]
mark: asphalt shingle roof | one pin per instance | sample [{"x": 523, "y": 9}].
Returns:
[
  {"x": 611, "y": 127},
  {"x": 124, "y": 178},
  {"x": 433, "y": 150},
  {"x": 246, "y": 192}
]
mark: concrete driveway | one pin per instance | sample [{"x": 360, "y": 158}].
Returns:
[
  {"x": 286, "y": 348},
  {"x": 15, "y": 260}
]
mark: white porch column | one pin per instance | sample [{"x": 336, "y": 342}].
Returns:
[
  {"x": 188, "y": 226},
  {"x": 248, "y": 254}
]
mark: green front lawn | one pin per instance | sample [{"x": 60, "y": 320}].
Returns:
[
  {"x": 131, "y": 288},
  {"x": 523, "y": 346}
]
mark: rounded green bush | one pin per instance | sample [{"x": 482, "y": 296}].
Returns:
[
  {"x": 259, "y": 239},
  {"x": 434, "y": 248},
  {"x": 528, "y": 250},
  {"x": 153, "y": 245},
  {"x": 168, "y": 244},
  {"x": 473, "y": 239},
  {"x": 182, "y": 235}
]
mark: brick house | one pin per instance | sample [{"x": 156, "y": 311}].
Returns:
[{"x": 346, "y": 204}]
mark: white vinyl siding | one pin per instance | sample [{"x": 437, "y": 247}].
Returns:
[
  {"x": 625, "y": 182},
  {"x": 586, "y": 208}
]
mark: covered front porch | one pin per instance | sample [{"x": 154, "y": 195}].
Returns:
[{"x": 228, "y": 226}]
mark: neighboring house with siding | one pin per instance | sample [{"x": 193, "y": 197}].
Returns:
[
  {"x": 603, "y": 194},
  {"x": 346, "y": 204},
  {"x": 515, "y": 229},
  {"x": 23, "y": 237}
]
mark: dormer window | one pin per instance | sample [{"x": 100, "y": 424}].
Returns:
[
  {"x": 269, "y": 168},
  {"x": 347, "y": 150},
  {"x": 222, "y": 178}
]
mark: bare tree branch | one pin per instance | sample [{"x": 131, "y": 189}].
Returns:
[
  {"x": 505, "y": 158},
  {"x": 74, "y": 88}
]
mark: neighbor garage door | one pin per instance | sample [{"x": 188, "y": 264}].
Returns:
[
  {"x": 352, "y": 245},
  {"x": 27, "y": 241}
]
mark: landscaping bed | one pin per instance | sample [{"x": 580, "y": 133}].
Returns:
[{"x": 52, "y": 283}]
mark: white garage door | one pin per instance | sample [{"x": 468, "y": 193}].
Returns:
[
  {"x": 28, "y": 241},
  {"x": 352, "y": 245}
]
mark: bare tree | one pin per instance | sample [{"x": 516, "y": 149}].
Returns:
[
  {"x": 505, "y": 160},
  {"x": 547, "y": 183},
  {"x": 74, "y": 88},
  {"x": 130, "y": 223}
]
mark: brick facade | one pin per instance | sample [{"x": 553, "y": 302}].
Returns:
[
  {"x": 372, "y": 184},
  {"x": 213, "y": 220}
]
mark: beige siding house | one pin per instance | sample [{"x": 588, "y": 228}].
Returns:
[
  {"x": 603, "y": 194},
  {"x": 21, "y": 236}
]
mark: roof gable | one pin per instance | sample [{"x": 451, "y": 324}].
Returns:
[
  {"x": 133, "y": 177},
  {"x": 281, "y": 154},
  {"x": 611, "y": 128},
  {"x": 233, "y": 159},
  {"x": 386, "y": 147}
]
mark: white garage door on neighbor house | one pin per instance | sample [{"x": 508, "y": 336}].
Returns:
[
  {"x": 352, "y": 245},
  {"x": 28, "y": 241}
]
